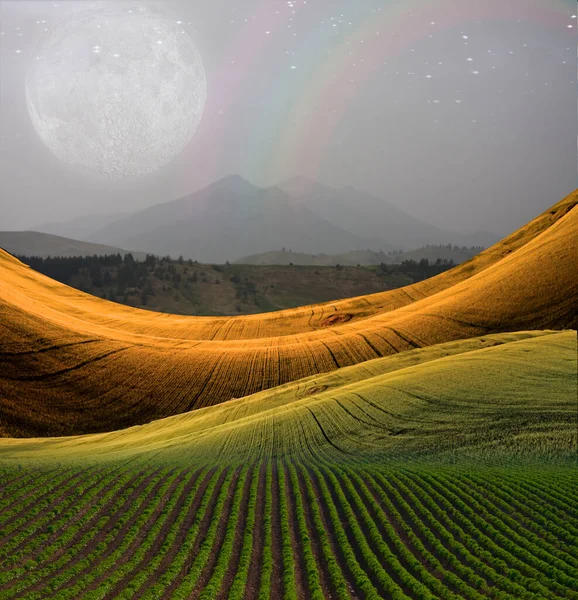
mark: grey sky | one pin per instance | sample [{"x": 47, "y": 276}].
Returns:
[{"x": 378, "y": 95}]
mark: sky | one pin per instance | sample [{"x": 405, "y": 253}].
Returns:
[{"x": 460, "y": 113}]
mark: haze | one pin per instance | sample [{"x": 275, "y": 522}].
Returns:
[{"x": 462, "y": 116}]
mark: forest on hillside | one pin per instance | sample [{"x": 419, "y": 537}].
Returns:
[{"x": 187, "y": 287}]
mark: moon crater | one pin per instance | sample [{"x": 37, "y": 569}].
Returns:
[{"x": 118, "y": 91}]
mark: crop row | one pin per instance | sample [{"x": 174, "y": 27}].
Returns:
[{"x": 287, "y": 529}]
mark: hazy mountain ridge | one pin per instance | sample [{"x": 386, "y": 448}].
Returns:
[
  {"x": 232, "y": 218},
  {"x": 35, "y": 243},
  {"x": 227, "y": 220},
  {"x": 80, "y": 227},
  {"x": 373, "y": 218}
]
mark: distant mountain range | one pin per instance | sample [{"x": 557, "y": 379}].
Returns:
[
  {"x": 232, "y": 218},
  {"x": 81, "y": 228},
  {"x": 372, "y": 218},
  {"x": 34, "y": 243},
  {"x": 361, "y": 257}
]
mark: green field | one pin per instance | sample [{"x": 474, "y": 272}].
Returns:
[{"x": 443, "y": 472}]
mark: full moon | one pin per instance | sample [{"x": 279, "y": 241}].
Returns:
[{"x": 118, "y": 91}]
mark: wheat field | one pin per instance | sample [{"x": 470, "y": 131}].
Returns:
[{"x": 71, "y": 363}]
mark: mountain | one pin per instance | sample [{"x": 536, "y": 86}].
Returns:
[
  {"x": 71, "y": 363},
  {"x": 80, "y": 228},
  {"x": 34, "y": 243},
  {"x": 372, "y": 218},
  {"x": 227, "y": 220},
  {"x": 360, "y": 257}
]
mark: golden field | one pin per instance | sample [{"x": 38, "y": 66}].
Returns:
[
  {"x": 496, "y": 396},
  {"x": 73, "y": 364}
]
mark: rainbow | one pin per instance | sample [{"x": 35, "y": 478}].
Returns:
[{"x": 277, "y": 141}]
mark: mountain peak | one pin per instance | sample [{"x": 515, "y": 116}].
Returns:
[{"x": 233, "y": 182}]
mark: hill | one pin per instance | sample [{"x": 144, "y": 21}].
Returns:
[
  {"x": 229, "y": 219},
  {"x": 158, "y": 365},
  {"x": 375, "y": 219},
  {"x": 376, "y": 481},
  {"x": 361, "y": 257},
  {"x": 189, "y": 288},
  {"x": 392, "y": 408},
  {"x": 33, "y": 243}
]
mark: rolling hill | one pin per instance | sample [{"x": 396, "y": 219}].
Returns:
[
  {"x": 72, "y": 363},
  {"x": 391, "y": 408},
  {"x": 439, "y": 462},
  {"x": 442, "y": 472},
  {"x": 33, "y": 243},
  {"x": 188, "y": 288}
]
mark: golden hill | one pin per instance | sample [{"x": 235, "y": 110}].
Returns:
[
  {"x": 511, "y": 395},
  {"x": 71, "y": 363}
]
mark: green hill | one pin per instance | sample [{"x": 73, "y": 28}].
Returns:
[
  {"x": 445, "y": 472},
  {"x": 510, "y": 395}
]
